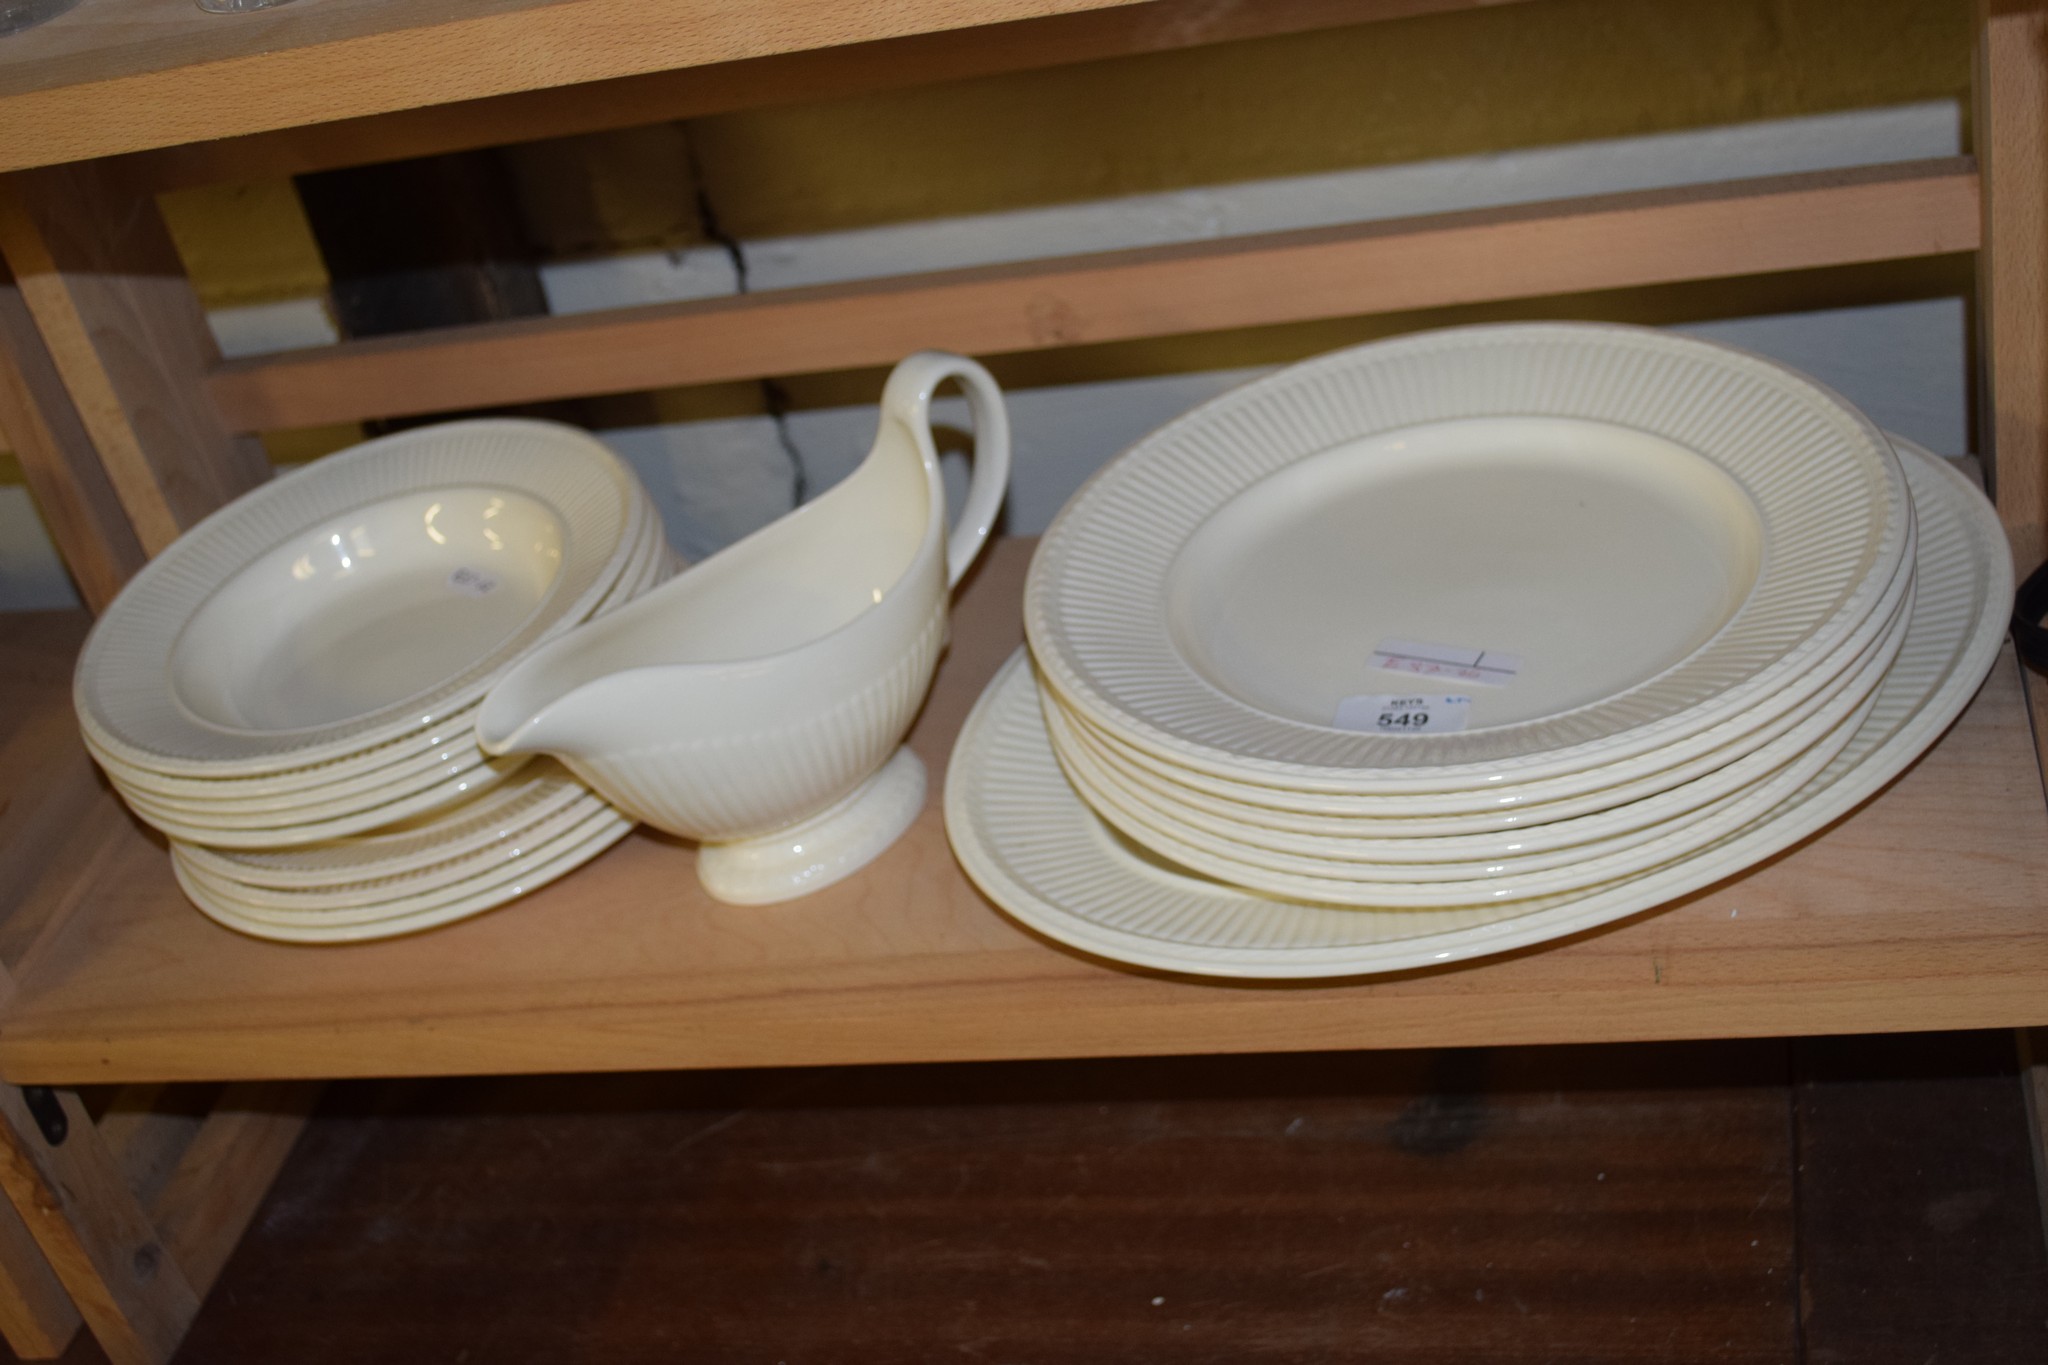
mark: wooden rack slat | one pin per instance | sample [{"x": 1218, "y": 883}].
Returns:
[
  {"x": 753, "y": 83},
  {"x": 1613, "y": 241},
  {"x": 118, "y": 76}
]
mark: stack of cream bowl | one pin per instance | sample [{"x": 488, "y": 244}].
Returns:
[
  {"x": 289, "y": 691},
  {"x": 1485, "y": 622}
]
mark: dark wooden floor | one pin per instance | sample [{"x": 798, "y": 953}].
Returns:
[{"x": 1859, "y": 1200}]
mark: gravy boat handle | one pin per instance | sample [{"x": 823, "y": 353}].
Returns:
[{"x": 908, "y": 399}]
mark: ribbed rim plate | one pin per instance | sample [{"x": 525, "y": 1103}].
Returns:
[
  {"x": 538, "y": 793},
  {"x": 606, "y": 828},
  {"x": 1826, "y": 489},
  {"x": 1036, "y": 849},
  {"x": 1506, "y": 805},
  {"x": 450, "y": 739},
  {"x": 122, "y": 689},
  {"x": 1496, "y": 866}
]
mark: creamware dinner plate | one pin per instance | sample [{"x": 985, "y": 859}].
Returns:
[
  {"x": 445, "y": 778},
  {"x": 361, "y": 894},
  {"x": 224, "y": 835},
  {"x": 458, "y": 903},
  {"x": 385, "y": 765},
  {"x": 392, "y": 897},
  {"x": 1037, "y": 850},
  {"x": 1508, "y": 827},
  {"x": 1643, "y": 829},
  {"x": 1514, "y": 804},
  {"x": 1410, "y": 886},
  {"x": 223, "y": 804},
  {"x": 1608, "y": 538},
  {"x": 368, "y": 770},
  {"x": 357, "y": 600},
  {"x": 540, "y": 792}
]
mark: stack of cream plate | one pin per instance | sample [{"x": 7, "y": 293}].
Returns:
[
  {"x": 1455, "y": 643},
  {"x": 289, "y": 691}
]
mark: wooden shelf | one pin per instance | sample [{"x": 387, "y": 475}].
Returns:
[
  {"x": 1743, "y": 227},
  {"x": 377, "y": 80},
  {"x": 1926, "y": 909},
  {"x": 120, "y": 75}
]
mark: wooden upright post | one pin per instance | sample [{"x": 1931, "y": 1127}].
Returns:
[
  {"x": 69, "y": 1189},
  {"x": 42, "y": 426},
  {"x": 98, "y": 273},
  {"x": 36, "y": 1315},
  {"x": 2012, "y": 289}
]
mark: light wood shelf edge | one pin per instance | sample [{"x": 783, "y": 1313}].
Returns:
[
  {"x": 124, "y": 75},
  {"x": 754, "y": 83},
  {"x": 1694, "y": 232},
  {"x": 1923, "y": 910}
]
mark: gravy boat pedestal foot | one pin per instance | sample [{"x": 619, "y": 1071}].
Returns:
[
  {"x": 757, "y": 701},
  {"x": 838, "y": 841}
]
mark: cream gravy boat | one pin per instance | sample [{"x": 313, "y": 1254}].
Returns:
[{"x": 757, "y": 701}]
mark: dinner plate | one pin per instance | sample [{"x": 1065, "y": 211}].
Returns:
[
  {"x": 392, "y": 897},
  {"x": 377, "y": 766},
  {"x": 245, "y": 646},
  {"x": 277, "y": 813},
  {"x": 455, "y": 908},
  {"x": 1505, "y": 804},
  {"x": 1410, "y": 886},
  {"x": 1034, "y": 847},
  {"x": 366, "y": 771},
  {"x": 1545, "y": 858},
  {"x": 1506, "y": 827},
  {"x": 362, "y": 893},
  {"x": 454, "y": 773},
  {"x": 1610, "y": 538},
  {"x": 381, "y": 765},
  {"x": 539, "y": 792},
  {"x": 226, "y": 835},
  {"x": 253, "y": 803}
]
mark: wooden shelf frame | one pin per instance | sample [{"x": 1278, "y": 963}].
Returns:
[
  {"x": 1926, "y": 908},
  {"x": 123, "y": 1218},
  {"x": 375, "y": 80},
  {"x": 1748, "y": 227},
  {"x": 1923, "y": 910}
]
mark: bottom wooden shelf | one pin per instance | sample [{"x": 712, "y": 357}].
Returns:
[{"x": 1925, "y": 909}]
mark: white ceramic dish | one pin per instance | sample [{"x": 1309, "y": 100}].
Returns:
[
  {"x": 437, "y": 797},
  {"x": 1201, "y": 598},
  {"x": 456, "y": 773},
  {"x": 149, "y": 695},
  {"x": 1471, "y": 856},
  {"x": 370, "y": 770},
  {"x": 383, "y": 765},
  {"x": 448, "y": 912},
  {"x": 1499, "y": 529},
  {"x": 260, "y": 812},
  {"x": 1380, "y": 886},
  {"x": 1510, "y": 805},
  {"x": 541, "y": 792},
  {"x": 757, "y": 702},
  {"x": 391, "y": 897},
  {"x": 1034, "y": 847},
  {"x": 368, "y": 610},
  {"x": 359, "y": 894},
  {"x": 257, "y": 803},
  {"x": 1545, "y": 825}
]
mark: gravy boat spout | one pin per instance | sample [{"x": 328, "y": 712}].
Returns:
[{"x": 757, "y": 701}]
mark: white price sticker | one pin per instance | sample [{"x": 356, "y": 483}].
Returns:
[
  {"x": 1391, "y": 715},
  {"x": 1487, "y": 667},
  {"x": 475, "y": 582}
]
